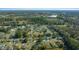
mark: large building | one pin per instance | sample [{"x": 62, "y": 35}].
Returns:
[{"x": 52, "y": 16}]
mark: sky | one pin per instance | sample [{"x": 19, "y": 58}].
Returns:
[{"x": 39, "y": 4}]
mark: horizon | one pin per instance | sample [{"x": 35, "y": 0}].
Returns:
[{"x": 39, "y": 9}]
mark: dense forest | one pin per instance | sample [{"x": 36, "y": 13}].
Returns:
[{"x": 39, "y": 30}]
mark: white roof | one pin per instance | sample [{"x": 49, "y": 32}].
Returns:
[{"x": 53, "y": 16}]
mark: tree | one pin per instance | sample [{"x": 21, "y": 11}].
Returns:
[{"x": 18, "y": 34}]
